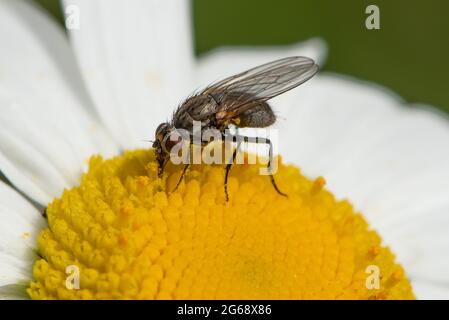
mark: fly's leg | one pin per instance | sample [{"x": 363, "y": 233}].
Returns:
[
  {"x": 161, "y": 168},
  {"x": 270, "y": 159},
  {"x": 182, "y": 176},
  {"x": 267, "y": 141},
  {"x": 228, "y": 167},
  {"x": 186, "y": 166}
]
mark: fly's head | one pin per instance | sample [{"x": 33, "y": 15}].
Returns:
[{"x": 162, "y": 143}]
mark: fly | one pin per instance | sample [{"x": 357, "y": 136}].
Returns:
[{"x": 241, "y": 101}]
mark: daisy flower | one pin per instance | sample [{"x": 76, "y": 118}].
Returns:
[{"x": 76, "y": 110}]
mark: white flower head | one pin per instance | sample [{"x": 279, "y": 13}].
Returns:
[{"x": 122, "y": 70}]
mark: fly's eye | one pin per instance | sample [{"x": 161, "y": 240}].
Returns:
[
  {"x": 161, "y": 128},
  {"x": 162, "y": 131}
]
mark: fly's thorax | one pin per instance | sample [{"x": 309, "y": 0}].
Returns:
[{"x": 199, "y": 107}]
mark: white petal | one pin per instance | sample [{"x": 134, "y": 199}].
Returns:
[
  {"x": 136, "y": 58},
  {"x": 21, "y": 224},
  {"x": 223, "y": 62},
  {"x": 14, "y": 292},
  {"x": 47, "y": 125},
  {"x": 426, "y": 290},
  {"x": 391, "y": 161}
]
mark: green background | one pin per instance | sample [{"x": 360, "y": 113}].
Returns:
[{"x": 409, "y": 54}]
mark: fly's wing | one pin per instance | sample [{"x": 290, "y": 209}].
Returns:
[{"x": 250, "y": 88}]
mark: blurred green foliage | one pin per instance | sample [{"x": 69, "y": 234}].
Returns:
[{"x": 409, "y": 54}]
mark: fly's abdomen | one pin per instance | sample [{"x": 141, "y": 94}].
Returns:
[{"x": 260, "y": 116}]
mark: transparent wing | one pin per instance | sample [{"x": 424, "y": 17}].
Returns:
[{"x": 245, "y": 90}]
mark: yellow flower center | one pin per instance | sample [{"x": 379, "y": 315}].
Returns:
[{"x": 121, "y": 234}]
